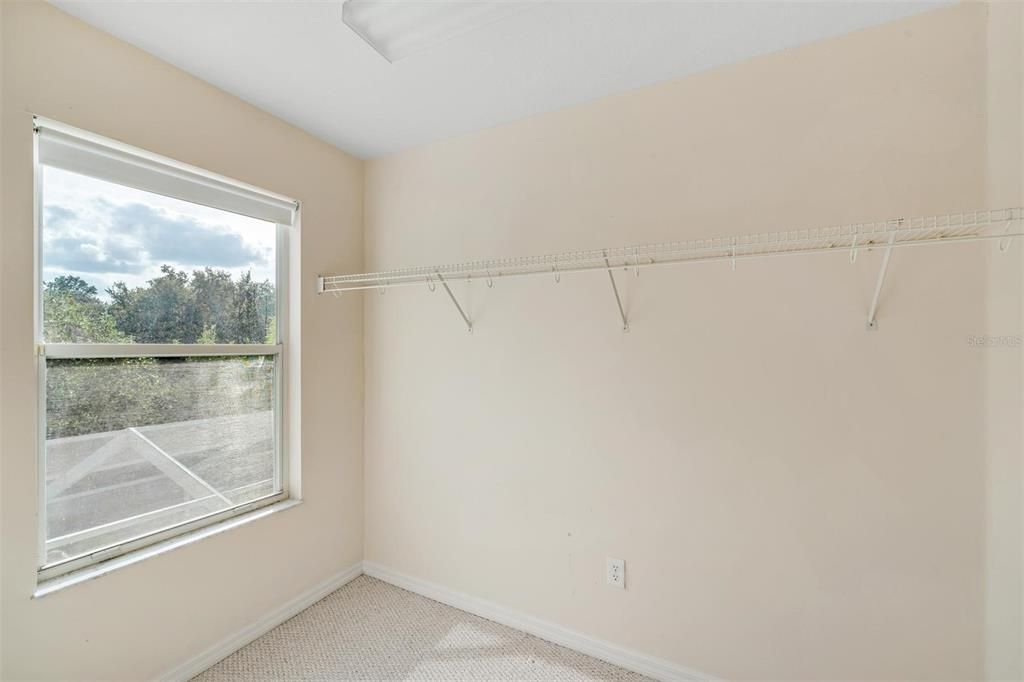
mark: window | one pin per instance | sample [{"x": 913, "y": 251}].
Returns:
[{"x": 162, "y": 354}]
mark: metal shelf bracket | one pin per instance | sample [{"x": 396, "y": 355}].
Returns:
[
  {"x": 872, "y": 324},
  {"x": 1004, "y": 243},
  {"x": 455, "y": 301},
  {"x": 615, "y": 290}
]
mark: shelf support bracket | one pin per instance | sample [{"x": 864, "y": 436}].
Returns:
[
  {"x": 455, "y": 301},
  {"x": 872, "y": 324},
  {"x": 1004, "y": 243},
  {"x": 615, "y": 290}
]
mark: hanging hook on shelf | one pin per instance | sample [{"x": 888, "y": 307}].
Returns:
[
  {"x": 636, "y": 261},
  {"x": 558, "y": 275},
  {"x": 490, "y": 281},
  {"x": 734, "y": 254},
  {"x": 431, "y": 284},
  {"x": 853, "y": 247}
]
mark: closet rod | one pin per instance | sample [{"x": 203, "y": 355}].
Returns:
[{"x": 987, "y": 224}]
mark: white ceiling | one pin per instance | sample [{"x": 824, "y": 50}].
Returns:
[{"x": 297, "y": 60}]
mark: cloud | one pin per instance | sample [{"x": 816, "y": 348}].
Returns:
[
  {"x": 179, "y": 240},
  {"x": 84, "y": 255},
  {"x": 76, "y": 242},
  {"x": 57, "y": 216},
  {"x": 132, "y": 238}
]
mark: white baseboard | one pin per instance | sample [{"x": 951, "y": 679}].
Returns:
[
  {"x": 657, "y": 668},
  {"x": 268, "y": 622}
]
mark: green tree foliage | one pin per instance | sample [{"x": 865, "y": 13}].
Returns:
[
  {"x": 245, "y": 312},
  {"x": 206, "y": 307},
  {"x": 108, "y": 394},
  {"x": 75, "y": 314},
  {"x": 103, "y": 394},
  {"x": 164, "y": 311},
  {"x": 99, "y": 395},
  {"x": 73, "y": 286},
  {"x": 209, "y": 335},
  {"x": 214, "y": 297}
]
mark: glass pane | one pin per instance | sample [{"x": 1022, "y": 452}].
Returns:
[
  {"x": 134, "y": 445},
  {"x": 122, "y": 265}
]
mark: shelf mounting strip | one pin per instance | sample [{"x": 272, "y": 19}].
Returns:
[{"x": 987, "y": 224}]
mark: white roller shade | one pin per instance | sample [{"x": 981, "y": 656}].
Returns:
[{"x": 80, "y": 152}]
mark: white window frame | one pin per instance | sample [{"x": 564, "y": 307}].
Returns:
[{"x": 204, "y": 181}]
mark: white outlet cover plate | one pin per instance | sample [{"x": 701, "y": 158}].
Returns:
[{"x": 616, "y": 572}]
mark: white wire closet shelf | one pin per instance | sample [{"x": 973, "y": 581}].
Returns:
[{"x": 987, "y": 224}]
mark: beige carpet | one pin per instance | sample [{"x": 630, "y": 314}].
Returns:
[{"x": 370, "y": 630}]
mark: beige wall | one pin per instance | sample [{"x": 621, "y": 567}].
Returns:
[
  {"x": 794, "y": 497},
  {"x": 1004, "y": 406},
  {"x": 144, "y": 619}
]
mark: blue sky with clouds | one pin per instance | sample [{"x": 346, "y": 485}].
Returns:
[{"x": 105, "y": 233}]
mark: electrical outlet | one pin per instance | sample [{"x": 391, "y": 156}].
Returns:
[{"x": 616, "y": 573}]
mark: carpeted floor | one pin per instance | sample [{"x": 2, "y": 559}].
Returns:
[{"x": 370, "y": 630}]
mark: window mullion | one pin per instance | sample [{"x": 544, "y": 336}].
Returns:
[{"x": 150, "y": 350}]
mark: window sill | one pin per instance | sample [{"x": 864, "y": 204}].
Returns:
[{"x": 59, "y": 583}]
